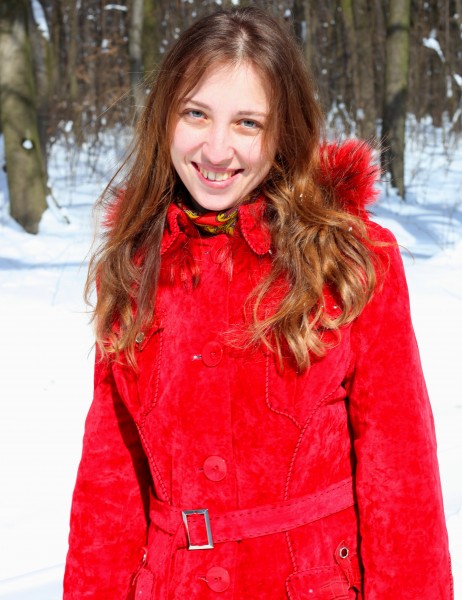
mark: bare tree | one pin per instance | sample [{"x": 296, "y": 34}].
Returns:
[
  {"x": 351, "y": 52},
  {"x": 136, "y": 51},
  {"x": 396, "y": 87},
  {"x": 366, "y": 107},
  {"x": 25, "y": 167}
]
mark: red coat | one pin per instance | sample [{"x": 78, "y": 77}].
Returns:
[{"x": 319, "y": 485}]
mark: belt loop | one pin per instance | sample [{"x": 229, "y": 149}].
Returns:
[{"x": 200, "y": 511}]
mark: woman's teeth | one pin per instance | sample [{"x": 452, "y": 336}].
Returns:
[{"x": 212, "y": 176}]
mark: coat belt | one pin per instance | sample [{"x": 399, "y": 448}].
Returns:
[{"x": 200, "y": 528}]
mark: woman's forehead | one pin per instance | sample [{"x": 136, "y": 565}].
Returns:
[{"x": 243, "y": 72}]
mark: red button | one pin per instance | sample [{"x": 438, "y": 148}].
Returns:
[
  {"x": 215, "y": 468},
  {"x": 218, "y": 579},
  {"x": 212, "y": 354}
]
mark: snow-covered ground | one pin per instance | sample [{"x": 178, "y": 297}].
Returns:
[{"x": 46, "y": 350}]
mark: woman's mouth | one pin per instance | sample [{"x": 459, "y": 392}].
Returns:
[{"x": 216, "y": 175}]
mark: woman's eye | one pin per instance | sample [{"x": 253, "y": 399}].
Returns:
[
  {"x": 249, "y": 124},
  {"x": 195, "y": 114}
]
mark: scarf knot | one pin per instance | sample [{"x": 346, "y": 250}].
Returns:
[{"x": 212, "y": 221}]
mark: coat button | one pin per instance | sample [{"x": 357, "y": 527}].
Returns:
[
  {"x": 140, "y": 337},
  {"x": 212, "y": 354},
  {"x": 218, "y": 579},
  {"x": 215, "y": 468}
]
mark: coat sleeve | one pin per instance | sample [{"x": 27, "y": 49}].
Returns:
[
  {"x": 403, "y": 537},
  {"x": 108, "y": 516}
]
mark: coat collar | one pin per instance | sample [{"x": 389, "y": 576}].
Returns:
[{"x": 251, "y": 225}]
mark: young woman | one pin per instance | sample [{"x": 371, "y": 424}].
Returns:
[{"x": 260, "y": 427}]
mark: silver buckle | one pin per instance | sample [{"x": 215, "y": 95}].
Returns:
[{"x": 199, "y": 511}]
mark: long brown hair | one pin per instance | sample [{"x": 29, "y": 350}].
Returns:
[{"x": 311, "y": 232}]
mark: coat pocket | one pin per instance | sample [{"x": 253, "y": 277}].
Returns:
[{"x": 340, "y": 581}]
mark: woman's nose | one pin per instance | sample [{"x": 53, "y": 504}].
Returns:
[{"x": 217, "y": 147}]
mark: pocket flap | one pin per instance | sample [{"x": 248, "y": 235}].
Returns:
[{"x": 321, "y": 583}]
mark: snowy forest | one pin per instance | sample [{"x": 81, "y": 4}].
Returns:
[
  {"x": 73, "y": 78},
  {"x": 77, "y": 69}
]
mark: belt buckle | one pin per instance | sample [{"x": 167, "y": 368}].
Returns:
[{"x": 200, "y": 511}]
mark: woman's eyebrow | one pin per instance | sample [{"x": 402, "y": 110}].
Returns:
[
  {"x": 201, "y": 104},
  {"x": 250, "y": 111}
]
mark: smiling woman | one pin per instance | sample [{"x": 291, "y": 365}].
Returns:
[{"x": 260, "y": 427}]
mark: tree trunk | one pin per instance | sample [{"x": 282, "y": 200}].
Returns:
[
  {"x": 72, "y": 51},
  {"x": 151, "y": 32},
  {"x": 351, "y": 66},
  {"x": 25, "y": 167},
  {"x": 57, "y": 44},
  {"x": 365, "y": 101},
  {"x": 395, "y": 94},
  {"x": 135, "y": 35},
  {"x": 41, "y": 52},
  {"x": 309, "y": 35},
  {"x": 299, "y": 22}
]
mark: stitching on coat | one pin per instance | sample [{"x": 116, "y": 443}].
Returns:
[
  {"x": 268, "y": 403},
  {"x": 153, "y": 464},
  {"x": 290, "y": 545},
  {"x": 173, "y": 235},
  {"x": 157, "y": 384},
  {"x": 289, "y": 590},
  {"x": 299, "y": 441}
]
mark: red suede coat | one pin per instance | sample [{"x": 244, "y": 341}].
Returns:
[{"x": 318, "y": 485}]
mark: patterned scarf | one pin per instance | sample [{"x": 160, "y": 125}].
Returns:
[{"x": 212, "y": 221}]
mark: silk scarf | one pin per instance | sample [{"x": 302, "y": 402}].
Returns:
[{"x": 211, "y": 221}]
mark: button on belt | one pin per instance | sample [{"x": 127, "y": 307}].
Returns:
[{"x": 212, "y": 354}]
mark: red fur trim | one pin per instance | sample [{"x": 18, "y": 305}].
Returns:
[{"x": 351, "y": 171}]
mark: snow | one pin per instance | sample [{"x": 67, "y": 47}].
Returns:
[
  {"x": 432, "y": 43},
  {"x": 46, "y": 356},
  {"x": 40, "y": 19},
  {"x": 116, "y": 7}
]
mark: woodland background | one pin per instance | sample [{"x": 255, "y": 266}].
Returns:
[{"x": 79, "y": 68}]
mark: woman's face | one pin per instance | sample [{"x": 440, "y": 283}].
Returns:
[{"x": 217, "y": 146}]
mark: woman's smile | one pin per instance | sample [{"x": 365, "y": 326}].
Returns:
[{"x": 214, "y": 175}]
